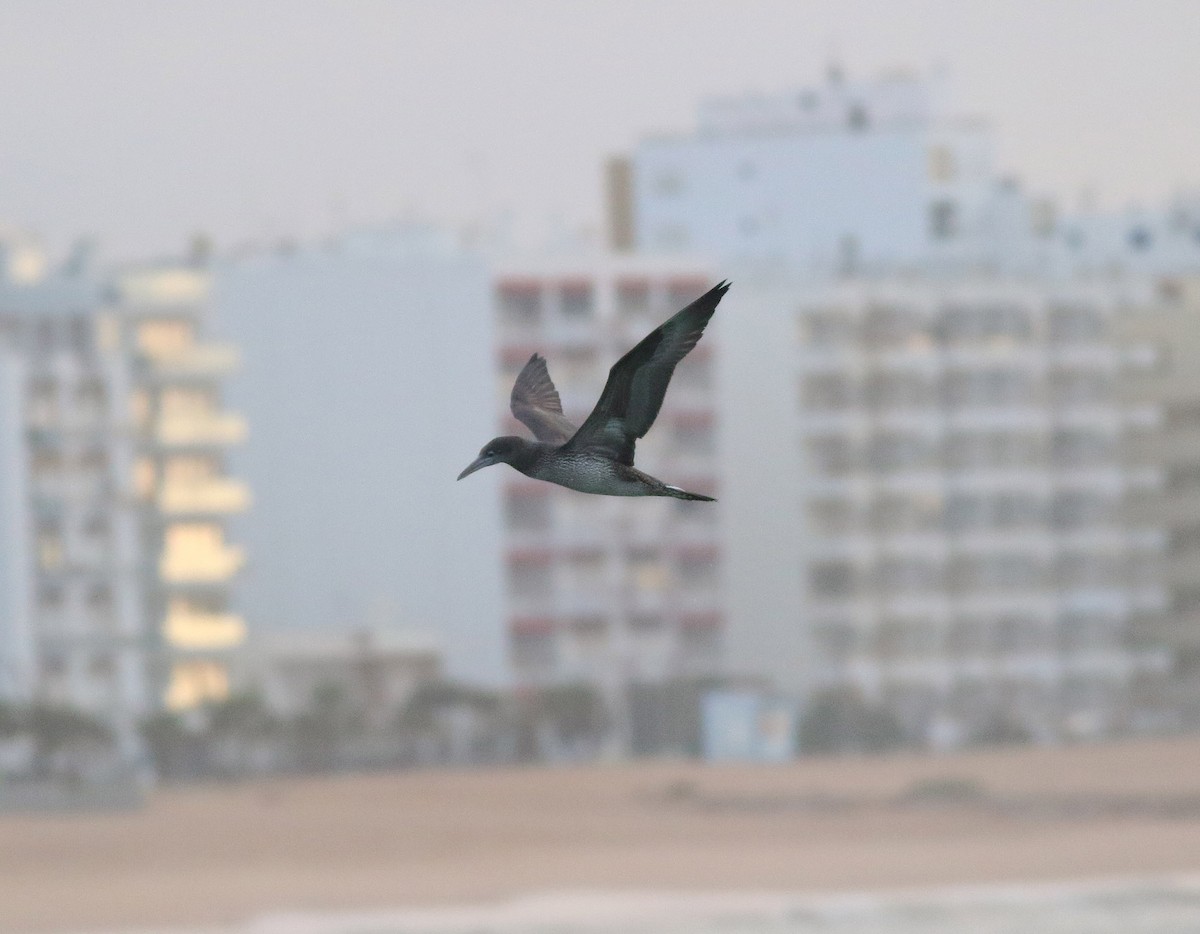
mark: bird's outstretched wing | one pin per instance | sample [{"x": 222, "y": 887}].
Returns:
[
  {"x": 535, "y": 403},
  {"x": 638, "y": 381}
]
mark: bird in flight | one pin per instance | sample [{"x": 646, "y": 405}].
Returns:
[{"x": 597, "y": 457}]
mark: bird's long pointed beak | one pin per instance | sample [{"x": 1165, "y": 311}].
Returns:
[{"x": 475, "y": 465}]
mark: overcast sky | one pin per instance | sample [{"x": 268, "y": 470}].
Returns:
[{"x": 143, "y": 122}]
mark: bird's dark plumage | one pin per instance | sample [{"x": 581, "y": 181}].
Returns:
[
  {"x": 638, "y": 382},
  {"x": 598, "y": 457}
]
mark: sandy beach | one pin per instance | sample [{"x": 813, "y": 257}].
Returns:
[{"x": 222, "y": 854}]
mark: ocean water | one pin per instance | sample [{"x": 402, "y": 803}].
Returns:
[{"x": 1129, "y": 906}]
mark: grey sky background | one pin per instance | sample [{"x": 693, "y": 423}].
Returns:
[{"x": 141, "y": 123}]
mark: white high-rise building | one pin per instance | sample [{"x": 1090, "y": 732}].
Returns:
[
  {"x": 367, "y": 368},
  {"x": 113, "y": 587},
  {"x": 846, "y": 175},
  {"x": 959, "y": 538},
  {"x": 171, "y": 391}
]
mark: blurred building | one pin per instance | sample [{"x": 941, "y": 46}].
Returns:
[
  {"x": 373, "y": 670},
  {"x": 874, "y": 176},
  {"x": 114, "y": 577},
  {"x": 367, "y": 369},
  {"x": 610, "y": 591},
  {"x": 962, "y": 468},
  {"x": 845, "y": 175},
  {"x": 172, "y": 392},
  {"x": 74, "y": 628},
  {"x": 1161, "y": 338}
]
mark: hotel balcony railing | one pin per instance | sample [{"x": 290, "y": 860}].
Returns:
[
  {"x": 212, "y": 567},
  {"x": 196, "y": 430},
  {"x": 218, "y": 496},
  {"x": 204, "y": 631}
]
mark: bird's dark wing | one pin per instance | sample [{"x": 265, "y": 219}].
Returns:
[
  {"x": 535, "y": 403},
  {"x": 638, "y": 381}
]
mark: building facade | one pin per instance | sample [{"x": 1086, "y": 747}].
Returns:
[
  {"x": 1161, "y": 341},
  {"x": 609, "y": 591},
  {"x": 966, "y": 478},
  {"x": 181, "y": 436},
  {"x": 114, "y": 581},
  {"x": 367, "y": 368},
  {"x": 841, "y": 176},
  {"x": 73, "y": 624}
]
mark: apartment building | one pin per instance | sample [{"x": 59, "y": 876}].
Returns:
[
  {"x": 965, "y": 479},
  {"x": 846, "y": 174},
  {"x": 610, "y": 591},
  {"x": 73, "y": 625},
  {"x": 368, "y": 366},
  {"x": 114, "y": 574},
  {"x": 181, "y": 436},
  {"x": 1162, "y": 342}
]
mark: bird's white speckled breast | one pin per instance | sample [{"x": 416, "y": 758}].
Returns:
[{"x": 590, "y": 475}]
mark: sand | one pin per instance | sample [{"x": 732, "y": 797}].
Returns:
[{"x": 219, "y": 854}]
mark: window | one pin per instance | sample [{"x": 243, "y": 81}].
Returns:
[
  {"x": 520, "y": 304},
  {"x": 577, "y": 302},
  {"x": 943, "y": 220},
  {"x": 892, "y": 452},
  {"x": 529, "y": 513},
  {"x": 1079, "y": 509},
  {"x": 633, "y": 298},
  {"x": 1076, "y": 447},
  {"x": 1069, "y": 324},
  {"x": 698, "y": 570},
  {"x": 533, "y": 650},
  {"x": 906, "y": 574},
  {"x": 828, "y": 392},
  {"x": 836, "y": 641},
  {"x": 831, "y": 516},
  {"x": 832, "y": 578},
  {"x": 693, "y": 439},
  {"x": 832, "y": 455},
  {"x": 530, "y": 579},
  {"x": 890, "y": 327}
]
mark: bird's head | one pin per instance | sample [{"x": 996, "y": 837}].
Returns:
[{"x": 506, "y": 450}]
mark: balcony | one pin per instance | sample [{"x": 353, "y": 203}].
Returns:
[
  {"x": 213, "y": 566},
  {"x": 201, "y": 430},
  {"x": 215, "y": 497},
  {"x": 204, "y": 631},
  {"x": 200, "y": 361}
]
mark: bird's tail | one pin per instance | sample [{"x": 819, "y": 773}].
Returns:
[{"x": 677, "y": 493}]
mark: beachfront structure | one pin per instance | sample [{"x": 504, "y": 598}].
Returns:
[
  {"x": 874, "y": 175},
  {"x": 610, "y": 591},
  {"x": 171, "y": 392},
  {"x": 845, "y": 175},
  {"x": 371, "y": 670},
  {"x": 361, "y": 357},
  {"x": 961, "y": 465},
  {"x": 1162, "y": 345},
  {"x": 73, "y": 626},
  {"x": 114, "y": 575}
]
